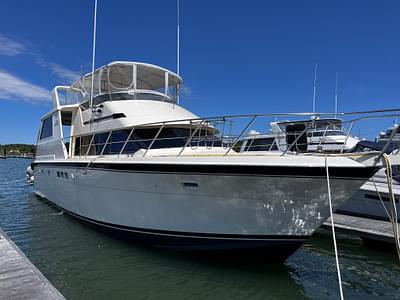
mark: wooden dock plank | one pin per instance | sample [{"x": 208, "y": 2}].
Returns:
[
  {"x": 366, "y": 228},
  {"x": 19, "y": 278}
]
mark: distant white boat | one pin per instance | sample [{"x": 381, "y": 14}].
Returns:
[
  {"x": 312, "y": 135},
  {"x": 372, "y": 200}
]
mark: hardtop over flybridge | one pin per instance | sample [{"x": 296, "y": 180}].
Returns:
[{"x": 131, "y": 160}]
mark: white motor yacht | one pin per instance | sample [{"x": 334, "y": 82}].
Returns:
[
  {"x": 319, "y": 134},
  {"x": 384, "y": 136},
  {"x": 131, "y": 160},
  {"x": 372, "y": 200}
]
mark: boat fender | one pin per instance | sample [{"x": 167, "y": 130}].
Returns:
[{"x": 29, "y": 171}]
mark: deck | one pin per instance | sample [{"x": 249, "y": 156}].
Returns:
[
  {"x": 19, "y": 278},
  {"x": 365, "y": 228}
]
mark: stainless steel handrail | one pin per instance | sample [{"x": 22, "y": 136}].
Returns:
[
  {"x": 126, "y": 141},
  {"x": 155, "y": 138},
  {"x": 190, "y": 139},
  {"x": 216, "y": 122},
  {"x": 241, "y": 134}
]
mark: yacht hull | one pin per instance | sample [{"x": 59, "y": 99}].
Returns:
[
  {"x": 277, "y": 247},
  {"x": 367, "y": 203},
  {"x": 206, "y": 209}
]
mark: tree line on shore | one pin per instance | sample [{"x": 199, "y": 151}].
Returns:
[{"x": 16, "y": 149}]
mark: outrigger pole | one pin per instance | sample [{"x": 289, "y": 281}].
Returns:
[
  {"x": 93, "y": 51},
  {"x": 177, "y": 40},
  {"x": 315, "y": 87},
  {"x": 336, "y": 95}
]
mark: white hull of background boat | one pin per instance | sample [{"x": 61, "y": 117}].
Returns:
[{"x": 366, "y": 202}]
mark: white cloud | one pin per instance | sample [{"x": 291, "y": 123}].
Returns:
[
  {"x": 186, "y": 93},
  {"x": 58, "y": 70},
  {"x": 14, "y": 88},
  {"x": 64, "y": 73},
  {"x": 10, "y": 47}
]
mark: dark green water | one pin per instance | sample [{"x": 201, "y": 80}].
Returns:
[{"x": 83, "y": 263}]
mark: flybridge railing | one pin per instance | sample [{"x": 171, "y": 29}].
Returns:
[
  {"x": 65, "y": 95},
  {"x": 229, "y": 134}
]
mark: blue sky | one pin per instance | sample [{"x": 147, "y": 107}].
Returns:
[{"x": 237, "y": 57}]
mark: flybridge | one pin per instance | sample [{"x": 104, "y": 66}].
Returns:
[{"x": 121, "y": 81}]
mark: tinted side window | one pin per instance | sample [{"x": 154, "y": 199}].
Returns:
[
  {"x": 85, "y": 142},
  {"x": 116, "y": 142},
  {"x": 98, "y": 142},
  {"x": 47, "y": 128},
  {"x": 77, "y": 146},
  {"x": 265, "y": 144}
]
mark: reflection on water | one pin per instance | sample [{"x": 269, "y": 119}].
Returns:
[{"x": 86, "y": 264}]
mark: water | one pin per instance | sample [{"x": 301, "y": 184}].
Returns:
[{"x": 83, "y": 263}]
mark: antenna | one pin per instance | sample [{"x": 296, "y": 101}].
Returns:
[
  {"x": 94, "y": 50},
  {"x": 177, "y": 40},
  {"x": 177, "y": 36},
  {"x": 315, "y": 88},
  {"x": 336, "y": 95}
]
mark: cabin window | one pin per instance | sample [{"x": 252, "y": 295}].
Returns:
[
  {"x": 168, "y": 137},
  {"x": 99, "y": 141},
  {"x": 47, "y": 128},
  {"x": 265, "y": 144},
  {"x": 172, "y": 137},
  {"x": 77, "y": 146},
  {"x": 117, "y": 141},
  {"x": 141, "y": 139},
  {"x": 85, "y": 142}
]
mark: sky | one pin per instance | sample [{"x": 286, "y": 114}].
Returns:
[{"x": 237, "y": 57}]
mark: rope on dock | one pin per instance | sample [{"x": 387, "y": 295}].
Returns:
[
  {"x": 333, "y": 229},
  {"x": 393, "y": 210}
]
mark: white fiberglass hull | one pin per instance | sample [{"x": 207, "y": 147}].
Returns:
[
  {"x": 197, "y": 209},
  {"x": 367, "y": 203}
]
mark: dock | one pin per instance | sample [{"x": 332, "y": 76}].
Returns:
[
  {"x": 367, "y": 229},
  {"x": 19, "y": 278}
]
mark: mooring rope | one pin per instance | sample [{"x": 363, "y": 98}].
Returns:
[
  {"x": 380, "y": 198},
  {"x": 393, "y": 211},
  {"x": 333, "y": 229}
]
